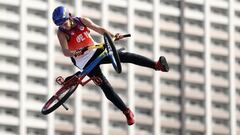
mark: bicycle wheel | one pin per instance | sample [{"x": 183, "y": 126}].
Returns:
[
  {"x": 55, "y": 101},
  {"x": 113, "y": 54}
]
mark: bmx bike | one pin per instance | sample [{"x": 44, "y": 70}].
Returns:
[{"x": 70, "y": 85}]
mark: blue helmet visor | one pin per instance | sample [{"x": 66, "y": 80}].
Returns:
[{"x": 60, "y": 22}]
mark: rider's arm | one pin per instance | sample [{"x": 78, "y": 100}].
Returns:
[
  {"x": 63, "y": 42},
  {"x": 95, "y": 27}
]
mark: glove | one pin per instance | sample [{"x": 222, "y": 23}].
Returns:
[{"x": 81, "y": 51}]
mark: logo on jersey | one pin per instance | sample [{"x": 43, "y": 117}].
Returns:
[{"x": 81, "y": 28}]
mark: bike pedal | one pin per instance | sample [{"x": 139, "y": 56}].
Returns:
[{"x": 60, "y": 80}]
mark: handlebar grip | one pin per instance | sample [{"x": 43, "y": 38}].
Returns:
[{"x": 127, "y": 35}]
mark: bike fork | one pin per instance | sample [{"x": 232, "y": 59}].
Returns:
[{"x": 64, "y": 106}]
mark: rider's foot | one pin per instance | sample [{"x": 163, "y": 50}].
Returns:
[
  {"x": 162, "y": 64},
  {"x": 129, "y": 115}
]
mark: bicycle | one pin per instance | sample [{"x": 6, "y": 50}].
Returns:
[{"x": 69, "y": 86}]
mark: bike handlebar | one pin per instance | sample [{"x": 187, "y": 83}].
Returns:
[{"x": 127, "y": 35}]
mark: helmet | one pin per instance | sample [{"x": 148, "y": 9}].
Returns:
[{"x": 60, "y": 15}]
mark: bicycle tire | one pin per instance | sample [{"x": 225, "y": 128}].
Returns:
[
  {"x": 111, "y": 47},
  {"x": 45, "y": 110}
]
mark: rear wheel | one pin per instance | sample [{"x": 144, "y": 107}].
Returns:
[
  {"x": 113, "y": 54},
  {"x": 55, "y": 101}
]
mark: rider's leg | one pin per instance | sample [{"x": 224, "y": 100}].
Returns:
[
  {"x": 127, "y": 57},
  {"x": 111, "y": 94}
]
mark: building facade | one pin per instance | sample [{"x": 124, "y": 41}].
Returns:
[{"x": 199, "y": 95}]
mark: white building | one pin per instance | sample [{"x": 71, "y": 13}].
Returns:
[{"x": 199, "y": 96}]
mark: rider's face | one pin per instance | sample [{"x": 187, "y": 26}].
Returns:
[{"x": 66, "y": 24}]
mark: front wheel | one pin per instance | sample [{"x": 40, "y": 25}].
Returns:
[
  {"x": 56, "y": 100},
  {"x": 112, "y": 53}
]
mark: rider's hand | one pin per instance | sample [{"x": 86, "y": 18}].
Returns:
[
  {"x": 118, "y": 36},
  {"x": 80, "y": 51}
]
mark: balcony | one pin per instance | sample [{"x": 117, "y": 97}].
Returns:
[
  {"x": 36, "y": 123},
  {"x": 10, "y": 2},
  {"x": 64, "y": 126},
  {"x": 91, "y": 96},
  {"x": 170, "y": 107},
  {"x": 220, "y": 129},
  {"x": 219, "y": 50},
  {"x": 34, "y": 104},
  {"x": 172, "y": 57},
  {"x": 193, "y": 30},
  {"x": 37, "y": 72},
  {"x": 5, "y": 83},
  {"x": 218, "y": 34},
  {"x": 36, "y": 55},
  {"x": 6, "y": 119},
  {"x": 194, "y": 77},
  {"x": 220, "y": 113},
  {"x": 5, "y": 32},
  {"x": 144, "y": 71},
  {"x": 194, "y": 46},
  {"x": 9, "y": 102},
  {"x": 36, "y": 88},
  {"x": 169, "y": 90},
  {"x": 169, "y": 42},
  {"x": 218, "y": 19},
  {"x": 142, "y": 132},
  {"x": 7, "y": 67},
  {"x": 117, "y": 17},
  {"x": 4, "y": 50},
  {"x": 37, "y": 4},
  {"x": 170, "y": 123},
  {"x": 194, "y": 93},
  {"x": 193, "y": 14},
  {"x": 221, "y": 3},
  {"x": 195, "y": 110},
  {"x": 143, "y": 86},
  {"x": 144, "y": 119},
  {"x": 37, "y": 21},
  {"x": 237, "y": 35},
  {"x": 219, "y": 65},
  {"x": 143, "y": 22},
  {"x": 169, "y": 10},
  {"x": 143, "y": 38},
  {"x": 119, "y": 3},
  {"x": 172, "y": 26},
  {"x": 200, "y": 2},
  {"x": 9, "y": 16},
  {"x": 219, "y": 81},
  {"x": 118, "y": 82},
  {"x": 91, "y": 112},
  {"x": 143, "y": 52},
  {"x": 237, "y": 82},
  {"x": 116, "y": 116},
  {"x": 194, "y": 61},
  {"x": 143, "y": 103},
  {"x": 91, "y": 12},
  {"x": 36, "y": 37},
  {"x": 117, "y": 131},
  {"x": 7, "y": 133},
  {"x": 195, "y": 126},
  {"x": 142, "y": 5},
  {"x": 172, "y": 75},
  {"x": 91, "y": 129},
  {"x": 220, "y": 97}
]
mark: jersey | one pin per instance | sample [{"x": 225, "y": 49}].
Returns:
[{"x": 79, "y": 37}]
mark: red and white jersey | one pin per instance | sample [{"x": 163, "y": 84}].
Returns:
[{"x": 79, "y": 37}]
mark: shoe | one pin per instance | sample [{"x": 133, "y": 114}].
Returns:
[
  {"x": 162, "y": 64},
  {"x": 129, "y": 115}
]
